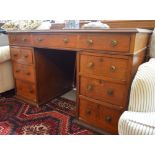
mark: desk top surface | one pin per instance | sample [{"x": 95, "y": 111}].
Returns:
[{"x": 109, "y": 30}]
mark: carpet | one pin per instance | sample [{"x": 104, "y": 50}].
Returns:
[{"x": 54, "y": 118}]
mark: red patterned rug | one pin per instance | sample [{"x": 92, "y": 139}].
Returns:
[{"x": 54, "y": 118}]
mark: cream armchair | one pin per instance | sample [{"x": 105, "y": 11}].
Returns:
[
  {"x": 6, "y": 75},
  {"x": 140, "y": 117}
]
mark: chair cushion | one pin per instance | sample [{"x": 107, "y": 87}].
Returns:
[
  {"x": 4, "y": 53},
  {"x": 142, "y": 94},
  {"x": 137, "y": 123}
]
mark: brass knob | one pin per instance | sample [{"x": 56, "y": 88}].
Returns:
[
  {"x": 90, "y": 41},
  {"x": 101, "y": 81},
  {"x": 108, "y": 119},
  {"x": 112, "y": 68},
  {"x": 28, "y": 73},
  {"x": 31, "y": 90},
  {"x": 24, "y": 39},
  {"x": 90, "y": 65},
  {"x": 110, "y": 92},
  {"x": 18, "y": 70},
  {"x": 15, "y": 55},
  {"x": 40, "y": 39},
  {"x": 88, "y": 112},
  {"x": 26, "y": 55},
  {"x": 114, "y": 43},
  {"x": 89, "y": 87},
  {"x": 66, "y": 40}
]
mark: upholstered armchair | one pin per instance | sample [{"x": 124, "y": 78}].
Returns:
[
  {"x": 6, "y": 75},
  {"x": 140, "y": 117}
]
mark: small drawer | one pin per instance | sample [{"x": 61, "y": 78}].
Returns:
[
  {"x": 58, "y": 41},
  {"x": 99, "y": 116},
  {"x": 108, "y": 119},
  {"x": 26, "y": 90},
  {"x": 24, "y": 72},
  {"x": 88, "y": 111},
  {"x": 108, "y": 42},
  {"x": 103, "y": 66},
  {"x": 22, "y": 55},
  {"x": 20, "y": 39},
  {"x": 105, "y": 91}
]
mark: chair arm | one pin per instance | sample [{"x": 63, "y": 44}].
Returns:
[
  {"x": 4, "y": 53},
  {"x": 137, "y": 123},
  {"x": 142, "y": 94}
]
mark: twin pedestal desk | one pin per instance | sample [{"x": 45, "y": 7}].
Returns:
[{"x": 104, "y": 61}]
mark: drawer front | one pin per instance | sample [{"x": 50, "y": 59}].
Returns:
[
  {"x": 108, "y": 119},
  {"x": 59, "y": 41},
  {"x": 88, "y": 111},
  {"x": 109, "y": 42},
  {"x": 99, "y": 116},
  {"x": 113, "y": 93},
  {"x": 26, "y": 90},
  {"x": 24, "y": 72},
  {"x": 20, "y": 39},
  {"x": 109, "y": 67},
  {"x": 22, "y": 55}
]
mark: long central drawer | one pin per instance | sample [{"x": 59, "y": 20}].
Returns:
[{"x": 57, "y": 41}]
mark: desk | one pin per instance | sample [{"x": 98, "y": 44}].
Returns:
[{"x": 105, "y": 62}]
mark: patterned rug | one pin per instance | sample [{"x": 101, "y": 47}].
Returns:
[{"x": 54, "y": 118}]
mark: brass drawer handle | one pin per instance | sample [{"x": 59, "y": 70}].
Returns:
[
  {"x": 88, "y": 112},
  {"x": 101, "y": 81},
  {"x": 31, "y": 91},
  {"x": 40, "y": 39},
  {"x": 110, "y": 92},
  {"x": 28, "y": 73},
  {"x": 89, "y": 87},
  {"x": 108, "y": 119},
  {"x": 114, "y": 43},
  {"x": 26, "y": 56},
  {"x": 15, "y": 55},
  {"x": 65, "y": 40},
  {"x": 24, "y": 39},
  {"x": 18, "y": 70},
  {"x": 90, "y": 65},
  {"x": 113, "y": 68},
  {"x": 90, "y": 41}
]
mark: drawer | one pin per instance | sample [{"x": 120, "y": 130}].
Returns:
[
  {"x": 108, "y": 119},
  {"x": 26, "y": 90},
  {"x": 109, "y": 67},
  {"x": 24, "y": 72},
  {"x": 20, "y": 39},
  {"x": 108, "y": 42},
  {"x": 99, "y": 116},
  {"x": 88, "y": 111},
  {"x": 113, "y": 93},
  {"x": 22, "y": 55},
  {"x": 58, "y": 41}
]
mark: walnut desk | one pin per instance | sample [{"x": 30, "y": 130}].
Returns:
[{"x": 105, "y": 62}]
